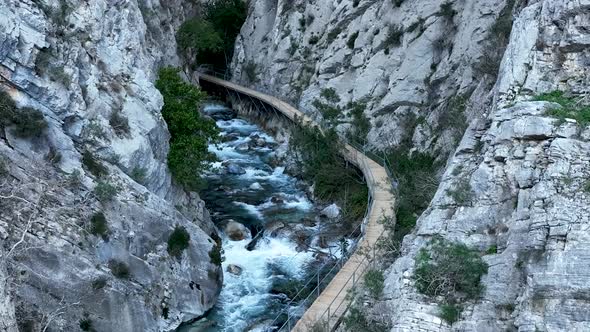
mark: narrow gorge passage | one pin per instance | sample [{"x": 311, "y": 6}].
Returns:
[{"x": 266, "y": 223}]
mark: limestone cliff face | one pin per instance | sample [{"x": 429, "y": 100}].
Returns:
[
  {"x": 416, "y": 64},
  {"x": 80, "y": 62},
  {"x": 528, "y": 173},
  {"x": 524, "y": 173}
]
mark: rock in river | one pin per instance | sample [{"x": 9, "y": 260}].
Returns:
[
  {"x": 236, "y": 231},
  {"x": 234, "y": 269}
]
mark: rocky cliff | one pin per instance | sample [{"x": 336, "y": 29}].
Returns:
[
  {"x": 88, "y": 204},
  {"x": 515, "y": 189}
]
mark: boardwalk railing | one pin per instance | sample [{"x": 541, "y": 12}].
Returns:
[{"x": 328, "y": 300}]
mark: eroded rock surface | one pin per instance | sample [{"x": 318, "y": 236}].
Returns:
[{"x": 80, "y": 62}]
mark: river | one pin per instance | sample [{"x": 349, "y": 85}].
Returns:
[{"x": 249, "y": 187}]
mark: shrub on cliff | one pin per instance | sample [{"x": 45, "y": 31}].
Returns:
[
  {"x": 190, "y": 132},
  {"x": 99, "y": 225},
  {"x": 28, "y": 122},
  {"x": 450, "y": 271},
  {"x": 178, "y": 241}
]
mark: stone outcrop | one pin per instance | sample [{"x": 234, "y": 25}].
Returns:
[{"x": 89, "y": 67}]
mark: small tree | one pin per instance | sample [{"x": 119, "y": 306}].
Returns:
[{"x": 178, "y": 241}]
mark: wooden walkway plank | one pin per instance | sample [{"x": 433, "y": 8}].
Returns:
[{"x": 332, "y": 303}]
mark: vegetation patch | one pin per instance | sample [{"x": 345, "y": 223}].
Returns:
[
  {"x": 119, "y": 269},
  {"x": 357, "y": 321},
  {"x": 99, "y": 225},
  {"x": 571, "y": 107},
  {"x": 93, "y": 165},
  {"x": 119, "y": 123},
  {"x": 216, "y": 255},
  {"x": 28, "y": 122},
  {"x": 374, "y": 282},
  {"x": 190, "y": 132},
  {"x": 495, "y": 45},
  {"x": 450, "y": 271},
  {"x": 212, "y": 35},
  {"x": 105, "y": 191},
  {"x": 334, "y": 179},
  {"x": 178, "y": 241},
  {"x": 139, "y": 174}
]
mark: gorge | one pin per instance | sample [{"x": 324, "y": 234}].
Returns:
[{"x": 480, "y": 107}]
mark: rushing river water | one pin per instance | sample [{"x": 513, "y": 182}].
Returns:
[{"x": 244, "y": 187}]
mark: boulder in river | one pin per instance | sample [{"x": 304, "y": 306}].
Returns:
[
  {"x": 277, "y": 200},
  {"x": 235, "y": 169},
  {"x": 255, "y": 186},
  {"x": 236, "y": 231},
  {"x": 234, "y": 269},
  {"x": 242, "y": 147},
  {"x": 331, "y": 211}
]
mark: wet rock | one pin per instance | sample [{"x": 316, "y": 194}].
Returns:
[
  {"x": 236, "y": 231},
  {"x": 223, "y": 114},
  {"x": 230, "y": 137},
  {"x": 242, "y": 147},
  {"x": 235, "y": 169},
  {"x": 234, "y": 269},
  {"x": 273, "y": 226},
  {"x": 331, "y": 211},
  {"x": 277, "y": 200},
  {"x": 307, "y": 222}
]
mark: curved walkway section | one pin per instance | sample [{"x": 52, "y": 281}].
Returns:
[{"x": 331, "y": 305}]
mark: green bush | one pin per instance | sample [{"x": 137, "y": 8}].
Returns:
[
  {"x": 28, "y": 122},
  {"x": 190, "y": 132},
  {"x": 105, "y": 191},
  {"x": 93, "y": 165},
  {"x": 394, "y": 37},
  {"x": 138, "y": 174},
  {"x": 334, "y": 179},
  {"x": 492, "y": 250},
  {"x": 360, "y": 123},
  {"x": 314, "y": 39},
  {"x": 199, "y": 35},
  {"x": 450, "y": 313},
  {"x": 99, "y": 225},
  {"x": 571, "y": 107},
  {"x": 447, "y": 10},
  {"x": 374, "y": 281},
  {"x": 215, "y": 255},
  {"x": 352, "y": 40},
  {"x": 178, "y": 241},
  {"x": 119, "y": 269},
  {"x": 450, "y": 270},
  {"x": 119, "y": 123},
  {"x": 86, "y": 324},
  {"x": 99, "y": 283}
]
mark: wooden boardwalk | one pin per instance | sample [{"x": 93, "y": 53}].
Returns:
[{"x": 329, "y": 308}]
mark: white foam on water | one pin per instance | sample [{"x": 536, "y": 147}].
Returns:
[
  {"x": 213, "y": 107},
  {"x": 238, "y": 125},
  {"x": 298, "y": 202},
  {"x": 247, "y": 295},
  {"x": 252, "y": 209},
  {"x": 224, "y": 152}
]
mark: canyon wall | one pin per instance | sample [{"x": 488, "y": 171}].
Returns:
[{"x": 89, "y": 67}]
